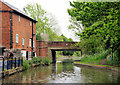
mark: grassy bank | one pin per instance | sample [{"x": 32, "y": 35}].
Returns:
[{"x": 100, "y": 60}]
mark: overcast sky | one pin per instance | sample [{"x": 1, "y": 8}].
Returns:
[{"x": 58, "y": 8}]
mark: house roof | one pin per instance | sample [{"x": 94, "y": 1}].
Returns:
[{"x": 18, "y": 11}]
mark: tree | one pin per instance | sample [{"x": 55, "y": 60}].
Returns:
[
  {"x": 45, "y": 25},
  {"x": 100, "y": 21}
]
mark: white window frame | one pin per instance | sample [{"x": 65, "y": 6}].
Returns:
[
  {"x": 30, "y": 23},
  {"x": 29, "y": 42},
  {"x": 17, "y": 39},
  {"x": 23, "y": 41},
  {"x": 19, "y": 18}
]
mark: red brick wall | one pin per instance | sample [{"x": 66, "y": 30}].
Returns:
[
  {"x": 43, "y": 45},
  {"x": 60, "y": 44},
  {"x": 5, "y": 27},
  {"x": 43, "y": 48},
  {"x": 22, "y": 28}
]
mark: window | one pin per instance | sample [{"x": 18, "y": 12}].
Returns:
[
  {"x": 16, "y": 38},
  {"x": 33, "y": 44},
  {"x": 29, "y": 42},
  {"x": 30, "y": 23},
  {"x": 29, "y": 55},
  {"x": 23, "y": 41},
  {"x": 19, "y": 18}
]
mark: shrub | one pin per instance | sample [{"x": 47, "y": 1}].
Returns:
[
  {"x": 30, "y": 62},
  {"x": 39, "y": 60},
  {"x": 35, "y": 60},
  {"x": 25, "y": 65},
  {"x": 46, "y": 61}
]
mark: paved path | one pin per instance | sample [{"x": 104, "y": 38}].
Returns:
[{"x": 67, "y": 57}]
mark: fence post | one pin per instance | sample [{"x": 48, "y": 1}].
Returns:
[
  {"x": 15, "y": 62},
  {"x": 7, "y": 63},
  {"x": 22, "y": 61},
  {"x": 11, "y": 62},
  {"x": 18, "y": 62},
  {"x": 3, "y": 65}
]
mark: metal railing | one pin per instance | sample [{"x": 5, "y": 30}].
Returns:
[{"x": 10, "y": 63}]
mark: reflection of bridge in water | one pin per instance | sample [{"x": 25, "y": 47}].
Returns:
[{"x": 45, "y": 48}]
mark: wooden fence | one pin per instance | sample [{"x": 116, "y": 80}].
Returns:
[{"x": 10, "y": 63}]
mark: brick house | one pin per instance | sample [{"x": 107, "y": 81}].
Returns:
[{"x": 18, "y": 30}]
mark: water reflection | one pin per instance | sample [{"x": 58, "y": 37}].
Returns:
[{"x": 63, "y": 73}]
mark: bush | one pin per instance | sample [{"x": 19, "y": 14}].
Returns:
[
  {"x": 30, "y": 62},
  {"x": 25, "y": 65},
  {"x": 35, "y": 60},
  {"x": 46, "y": 61},
  {"x": 39, "y": 60}
]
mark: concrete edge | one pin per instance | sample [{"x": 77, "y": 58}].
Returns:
[{"x": 110, "y": 68}]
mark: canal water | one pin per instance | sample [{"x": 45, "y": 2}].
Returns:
[{"x": 64, "y": 73}]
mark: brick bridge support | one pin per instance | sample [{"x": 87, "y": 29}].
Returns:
[{"x": 48, "y": 48}]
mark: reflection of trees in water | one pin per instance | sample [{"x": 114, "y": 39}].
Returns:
[
  {"x": 68, "y": 67},
  {"x": 12, "y": 78},
  {"x": 47, "y": 73},
  {"x": 59, "y": 67},
  {"x": 98, "y": 75},
  {"x": 29, "y": 76}
]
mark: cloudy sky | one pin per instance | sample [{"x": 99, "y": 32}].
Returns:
[{"x": 58, "y": 8}]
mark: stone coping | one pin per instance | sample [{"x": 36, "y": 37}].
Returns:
[{"x": 97, "y": 66}]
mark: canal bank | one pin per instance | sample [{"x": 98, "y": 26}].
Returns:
[
  {"x": 13, "y": 71},
  {"x": 114, "y": 68},
  {"x": 63, "y": 73}
]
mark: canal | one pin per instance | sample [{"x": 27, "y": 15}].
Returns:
[{"x": 64, "y": 73}]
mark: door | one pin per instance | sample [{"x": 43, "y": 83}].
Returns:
[{"x": 26, "y": 55}]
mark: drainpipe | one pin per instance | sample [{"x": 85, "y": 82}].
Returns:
[
  {"x": 32, "y": 42},
  {"x": 11, "y": 32}
]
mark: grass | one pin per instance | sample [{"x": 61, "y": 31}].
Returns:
[{"x": 96, "y": 58}]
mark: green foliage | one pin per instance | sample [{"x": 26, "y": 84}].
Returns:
[
  {"x": 5, "y": 70},
  {"x": 45, "y": 25},
  {"x": 68, "y": 53},
  {"x": 101, "y": 24},
  {"x": 67, "y": 61},
  {"x": 116, "y": 58},
  {"x": 25, "y": 65},
  {"x": 38, "y": 37},
  {"x": 65, "y": 38},
  {"x": 39, "y": 60},
  {"x": 35, "y": 60},
  {"x": 77, "y": 54},
  {"x": 69, "y": 40},
  {"x": 96, "y": 58},
  {"x": 30, "y": 62},
  {"x": 46, "y": 61}
]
